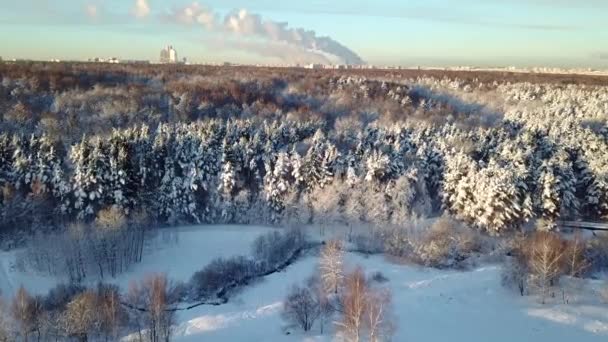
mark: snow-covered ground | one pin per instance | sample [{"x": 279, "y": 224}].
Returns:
[
  {"x": 178, "y": 252},
  {"x": 429, "y": 305}
]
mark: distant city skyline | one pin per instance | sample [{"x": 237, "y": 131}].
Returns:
[
  {"x": 523, "y": 33},
  {"x": 168, "y": 55}
]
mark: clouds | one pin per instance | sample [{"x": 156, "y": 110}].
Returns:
[
  {"x": 91, "y": 11},
  {"x": 96, "y": 11},
  {"x": 141, "y": 9},
  {"x": 251, "y": 31},
  {"x": 193, "y": 14}
]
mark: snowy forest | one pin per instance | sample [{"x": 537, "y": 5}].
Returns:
[
  {"x": 281, "y": 146},
  {"x": 426, "y": 165}
]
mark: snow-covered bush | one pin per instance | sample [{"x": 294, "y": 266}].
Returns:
[
  {"x": 269, "y": 252},
  {"x": 446, "y": 243},
  {"x": 219, "y": 274},
  {"x": 369, "y": 243},
  {"x": 275, "y": 248}
]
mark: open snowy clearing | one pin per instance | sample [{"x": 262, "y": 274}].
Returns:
[
  {"x": 429, "y": 304},
  {"x": 178, "y": 252}
]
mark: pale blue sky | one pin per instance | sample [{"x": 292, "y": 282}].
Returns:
[{"x": 416, "y": 32}]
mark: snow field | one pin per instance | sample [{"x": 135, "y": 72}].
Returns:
[
  {"x": 429, "y": 305},
  {"x": 178, "y": 252}
]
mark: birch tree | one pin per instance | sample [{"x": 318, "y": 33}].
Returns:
[{"x": 331, "y": 266}]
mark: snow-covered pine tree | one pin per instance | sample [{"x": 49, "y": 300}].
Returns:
[
  {"x": 89, "y": 177},
  {"x": 277, "y": 183}
]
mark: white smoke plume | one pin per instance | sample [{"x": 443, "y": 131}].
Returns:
[
  {"x": 277, "y": 50},
  {"x": 249, "y": 25}
]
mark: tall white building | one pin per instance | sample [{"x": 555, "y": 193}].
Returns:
[{"x": 168, "y": 55}]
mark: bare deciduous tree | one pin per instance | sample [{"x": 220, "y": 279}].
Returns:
[
  {"x": 135, "y": 298},
  {"x": 327, "y": 302},
  {"x": 515, "y": 275},
  {"x": 87, "y": 251},
  {"x": 301, "y": 307},
  {"x": 366, "y": 312},
  {"x": 81, "y": 316},
  {"x": 576, "y": 263},
  {"x": 110, "y": 310},
  {"x": 325, "y": 203},
  {"x": 4, "y": 333},
  {"x": 25, "y": 311},
  {"x": 161, "y": 318},
  {"x": 151, "y": 307},
  {"x": 354, "y": 210},
  {"x": 354, "y": 302},
  {"x": 331, "y": 266},
  {"x": 545, "y": 260},
  {"x": 379, "y": 321}
]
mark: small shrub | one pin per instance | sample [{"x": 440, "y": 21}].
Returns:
[
  {"x": 272, "y": 249},
  {"x": 379, "y": 277},
  {"x": 596, "y": 252},
  {"x": 59, "y": 296},
  {"x": 220, "y": 273},
  {"x": 467, "y": 242},
  {"x": 179, "y": 292},
  {"x": 514, "y": 276},
  {"x": 447, "y": 243},
  {"x": 437, "y": 247},
  {"x": 301, "y": 307},
  {"x": 398, "y": 242},
  {"x": 372, "y": 243},
  {"x": 110, "y": 219}
]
